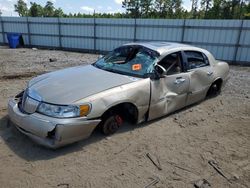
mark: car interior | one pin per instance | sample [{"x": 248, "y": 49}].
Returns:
[
  {"x": 172, "y": 63},
  {"x": 196, "y": 59}
]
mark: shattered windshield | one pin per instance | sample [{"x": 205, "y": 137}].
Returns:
[{"x": 129, "y": 60}]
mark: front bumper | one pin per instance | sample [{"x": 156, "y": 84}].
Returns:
[{"x": 48, "y": 131}]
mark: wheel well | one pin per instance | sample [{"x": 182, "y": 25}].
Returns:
[
  {"x": 218, "y": 82},
  {"x": 127, "y": 111}
]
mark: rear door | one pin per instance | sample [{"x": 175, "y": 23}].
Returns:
[
  {"x": 200, "y": 73},
  {"x": 170, "y": 92}
]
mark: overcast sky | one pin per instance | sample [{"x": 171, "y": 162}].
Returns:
[{"x": 75, "y": 6}]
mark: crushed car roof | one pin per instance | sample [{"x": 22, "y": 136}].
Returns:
[{"x": 160, "y": 47}]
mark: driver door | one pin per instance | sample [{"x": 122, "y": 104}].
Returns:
[{"x": 169, "y": 93}]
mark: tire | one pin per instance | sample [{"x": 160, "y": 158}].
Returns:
[
  {"x": 111, "y": 124},
  {"x": 214, "y": 90}
]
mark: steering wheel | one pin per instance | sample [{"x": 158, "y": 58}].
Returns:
[{"x": 163, "y": 68}]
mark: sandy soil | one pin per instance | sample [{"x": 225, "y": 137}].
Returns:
[{"x": 216, "y": 129}]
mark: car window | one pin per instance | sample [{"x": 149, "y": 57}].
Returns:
[
  {"x": 172, "y": 63},
  {"x": 119, "y": 55},
  {"x": 129, "y": 60},
  {"x": 196, "y": 59}
]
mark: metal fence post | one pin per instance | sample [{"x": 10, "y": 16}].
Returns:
[
  {"x": 238, "y": 41},
  {"x": 95, "y": 33},
  {"x": 28, "y": 28},
  {"x": 3, "y": 33},
  {"x": 59, "y": 32},
  {"x": 135, "y": 27},
  {"x": 183, "y": 30}
]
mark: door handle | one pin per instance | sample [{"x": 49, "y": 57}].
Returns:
[
  {"x": 171, "y": 95},
  {"x": 209, "y": 73},
  {"x": 179, "y": 80}
]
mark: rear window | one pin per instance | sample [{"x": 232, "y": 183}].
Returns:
[{"x": 196, "y": 59}]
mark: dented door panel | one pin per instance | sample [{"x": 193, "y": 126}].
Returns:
[
  {"x": 200, "y": 81},
  {"x": 168, "y": 94}
]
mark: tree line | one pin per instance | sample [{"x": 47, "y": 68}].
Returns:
[
  {"x": 169, "y": 9},
  {"x": 201, "y": 9}
]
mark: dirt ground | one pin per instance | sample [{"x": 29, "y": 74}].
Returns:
[{"x": 216, "y": 129}]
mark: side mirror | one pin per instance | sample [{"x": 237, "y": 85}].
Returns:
[{"x": 160, "y": 71}]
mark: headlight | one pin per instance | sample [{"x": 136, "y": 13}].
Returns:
[{"x": 61, "y": 111}]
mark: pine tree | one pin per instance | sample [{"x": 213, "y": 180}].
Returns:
[
  {"x": 58, "y": 13},
  {"x": 49, "y": 9},
  {"x": 206, "y": 6},
  {"x": 35, "y": 10},
  {"x": 132, "y": 7},
  {"x": 194, "y": 9},
  {"x": 162, "y": 8},
  {"x": 21, "y": 8},
  {"x": 177, "y": 8},
  {"x": 146, "y": 7}
]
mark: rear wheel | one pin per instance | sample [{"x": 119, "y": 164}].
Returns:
[
  {"x": 111, "y": 124},
  {"x": 214, "y": 89}
]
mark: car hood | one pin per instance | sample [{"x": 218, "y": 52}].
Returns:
[{"x": 72, "y": 84}]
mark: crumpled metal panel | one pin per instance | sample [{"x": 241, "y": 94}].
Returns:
[
  {"x": 168, "y": 94},
  {"x": 136, "y": 93}
]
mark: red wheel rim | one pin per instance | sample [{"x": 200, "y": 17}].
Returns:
[{"x": 118, "y": 119}]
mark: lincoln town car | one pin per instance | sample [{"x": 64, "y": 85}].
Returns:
[{"x": 134, "y": 83}]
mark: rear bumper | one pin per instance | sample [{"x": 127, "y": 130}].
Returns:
[{"x": 48, "y": 131}]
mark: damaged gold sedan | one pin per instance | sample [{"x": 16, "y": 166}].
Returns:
[{"x": 136, "y": 82}]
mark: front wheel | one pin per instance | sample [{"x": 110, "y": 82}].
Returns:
[{"x": 111, "y": 124}]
